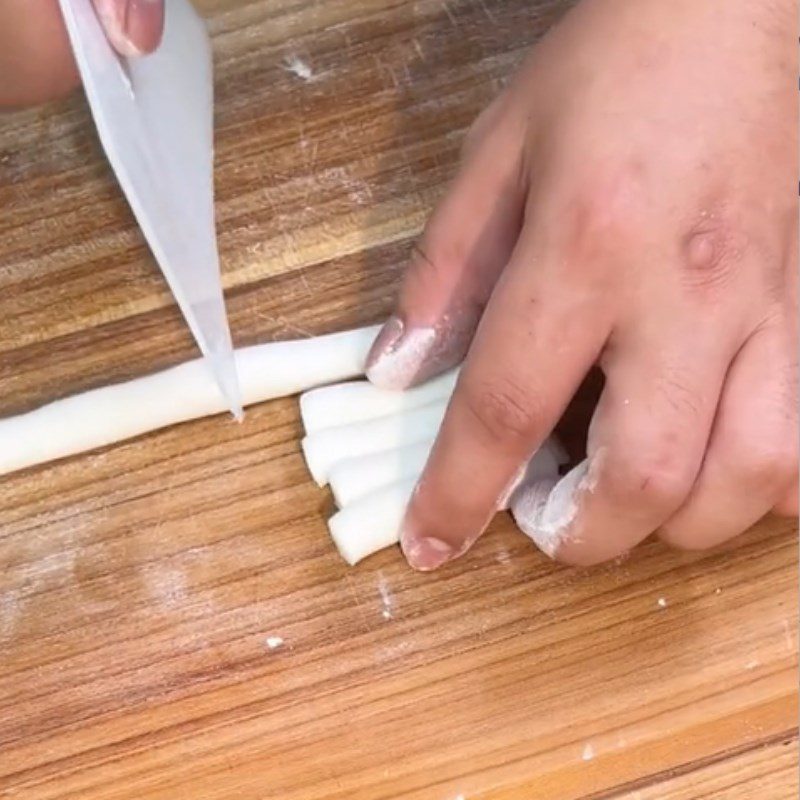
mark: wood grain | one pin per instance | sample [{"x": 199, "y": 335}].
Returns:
[
  {"x": 140, "y": 584},
  {"x": 769, "y": 771}
]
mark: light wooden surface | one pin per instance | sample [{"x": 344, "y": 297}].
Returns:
[{"x": 139, "y": 585}]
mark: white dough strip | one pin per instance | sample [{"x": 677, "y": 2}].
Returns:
[
  {"x": 373, "y": 521},
  {"x": 357, "y": 401},
  {"x": 353, "y": 478},
  {"x": 112, "y": 413},
  {"x": 327, "y": 447}
]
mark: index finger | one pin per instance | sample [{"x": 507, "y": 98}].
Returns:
[{"x": 537, "y": 339}]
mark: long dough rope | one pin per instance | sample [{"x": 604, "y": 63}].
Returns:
[{"x": 113, "y": 413}]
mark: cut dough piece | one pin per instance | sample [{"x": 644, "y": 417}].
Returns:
[
  {"x": 110, "y": 414},
  {"x": 353, "y": 478},
  {"x": 372, "y": 523},
  {"x": 324, "y": 449},
  {"x": 559, "y": 451},
  {"x": 358, "y": 401}
]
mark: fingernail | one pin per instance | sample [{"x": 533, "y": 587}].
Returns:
[
  {"x": 133, "y": 27},
  {"x": 387, "y": 339},
  {"x": 426, "y": 552},
  {"x": 398, "y": 354},
  {"x": 144, "y": 22}
]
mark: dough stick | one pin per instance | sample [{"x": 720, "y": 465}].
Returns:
[
  {"x": 353, "y": 478},
  {"x": 357, "y": 401},
  {"x": 558, "y": 450},
  {"x": 110, "y": 414},
  {"x": 372, "y": 521},
  {"x": 323, "y": 449}
]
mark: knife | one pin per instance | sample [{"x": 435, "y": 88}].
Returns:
[{"x": 154, "y": 117}]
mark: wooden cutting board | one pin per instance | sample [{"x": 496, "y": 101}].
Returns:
[{"x": 174, "y": 621}]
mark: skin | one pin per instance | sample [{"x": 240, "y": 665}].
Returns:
[
  {"x": 630, "y": 201},
  {"x": 35, "y": 52}
]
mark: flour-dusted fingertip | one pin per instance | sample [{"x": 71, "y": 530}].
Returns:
[{"x": 547, "y": 509}]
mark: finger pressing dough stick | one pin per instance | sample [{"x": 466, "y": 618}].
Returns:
[
  {"x": 113, "y": 413},
  {"x": 357, "y": 401},
  {"x": 353, "y": 478},
  {"x": 323, "y": 449},
  {"x": 373, "y": 521}
]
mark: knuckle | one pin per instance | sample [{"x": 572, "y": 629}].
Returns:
[
  {"x": 769, "y": 467},
  {"x": 711, "y": 251},
  {"x": 603, "y": 213},
  {"x": 503, "y": 409},
  {"x": 673, "y": 388},
  {"x": 657, "y": 476}
]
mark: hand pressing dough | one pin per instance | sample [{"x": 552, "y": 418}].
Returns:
[
  {"x": 373, "y": 520},
  {"x": 110, "y": 414},
  {"x": 323, "y": 449},
  {"x": 358, "y": 401},
  {"x": 372, "y": 447}
]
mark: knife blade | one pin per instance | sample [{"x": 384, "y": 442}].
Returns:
[{"x": 154, "y": 118}]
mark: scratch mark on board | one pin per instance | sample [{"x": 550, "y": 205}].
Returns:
[
  {"x": 450, "y": 15},
  {"x": 386, "y": 596},
  {"x": 299, "y": 68}
]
